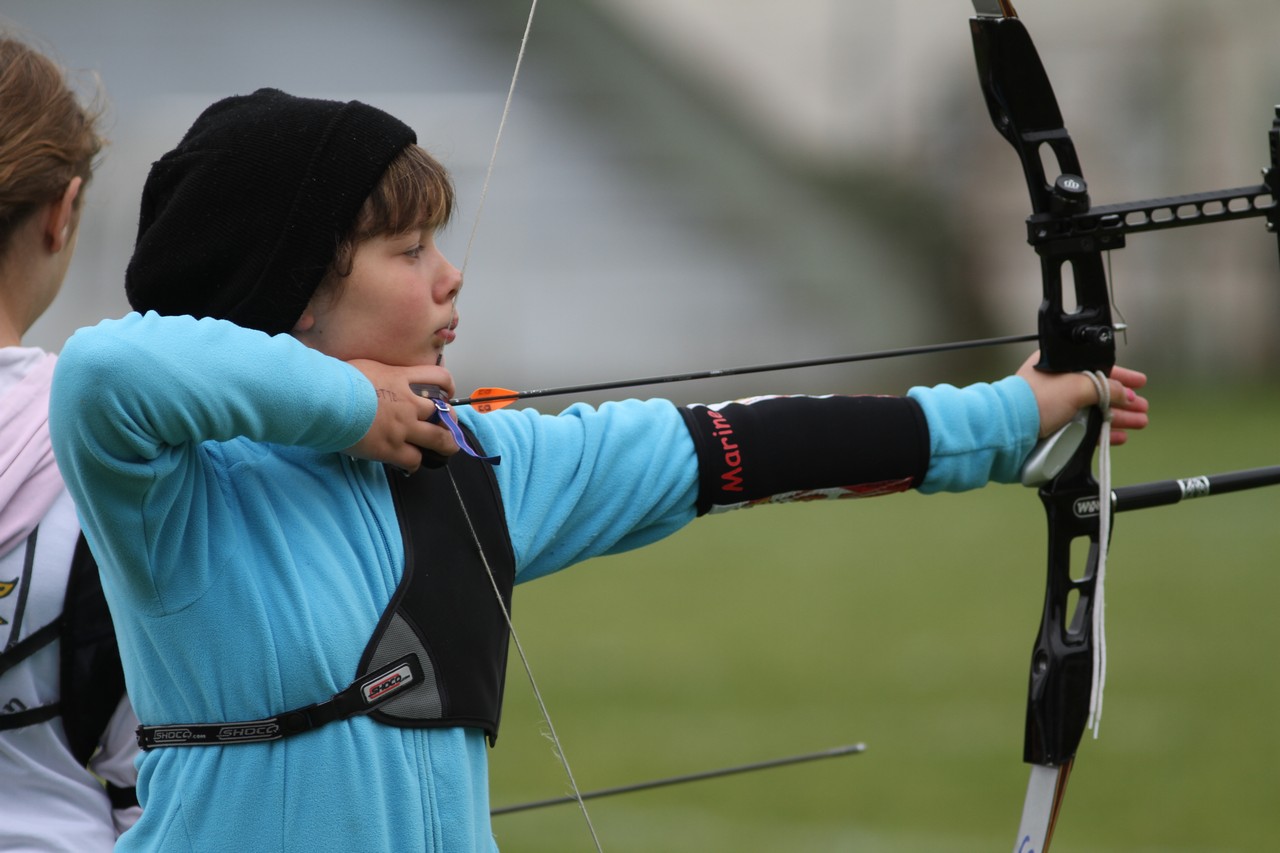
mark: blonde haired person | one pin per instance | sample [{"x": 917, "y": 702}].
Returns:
[{"x": 66, "y": 727}]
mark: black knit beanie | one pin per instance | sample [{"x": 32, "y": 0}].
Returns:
[{"x": 242, "y": 219}]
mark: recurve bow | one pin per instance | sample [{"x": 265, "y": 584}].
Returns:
[{"x": 1076, "y": 334}]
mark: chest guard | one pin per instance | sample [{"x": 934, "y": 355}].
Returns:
[
  {"x": 438, "y": 656},
  {"x": 445, "y": 611}
]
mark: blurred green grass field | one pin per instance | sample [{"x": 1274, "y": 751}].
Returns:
[{"x": 906, "y": 623}]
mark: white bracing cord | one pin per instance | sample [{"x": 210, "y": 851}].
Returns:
[{"x": 1103, "y": 387}]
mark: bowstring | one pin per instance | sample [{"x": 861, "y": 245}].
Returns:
[
  {"x": 1099, "y": 624},
  {"x": 528, "y": 670},
  {"x": 557, "y": 745},
  {"x": 497, "y": 141}
]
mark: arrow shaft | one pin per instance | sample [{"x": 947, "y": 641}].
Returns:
[
  {"x": 834, "y": 752},
  {"x": 756, "y": 368}
]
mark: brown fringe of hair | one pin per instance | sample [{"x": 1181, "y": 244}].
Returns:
[{"x": 415, "y": 192}]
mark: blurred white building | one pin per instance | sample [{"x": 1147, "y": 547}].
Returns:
[{"x": 703, "y": 183}]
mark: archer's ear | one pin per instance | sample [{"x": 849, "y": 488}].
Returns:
[
  {"x": 305, "y": 323},
  {"x": 61, "y": 219}
]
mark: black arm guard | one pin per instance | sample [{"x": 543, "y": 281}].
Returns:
[{"x": 776, "y": 449}]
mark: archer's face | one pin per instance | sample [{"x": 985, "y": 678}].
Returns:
[{"x": 396, "y": 306}]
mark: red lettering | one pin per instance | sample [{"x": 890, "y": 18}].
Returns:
[
  {"x": 731, "y": 479},
  {"x": 732, "y": 482},
  {"x": 383, "y": 686}
]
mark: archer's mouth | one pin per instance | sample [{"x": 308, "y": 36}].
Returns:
[{"x": 446, "y": 334}]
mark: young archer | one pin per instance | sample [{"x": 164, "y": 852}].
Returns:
[{"x": 311, "y": 637}]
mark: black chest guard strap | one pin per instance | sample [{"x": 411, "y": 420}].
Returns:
[{"x": 361, "y": 697}]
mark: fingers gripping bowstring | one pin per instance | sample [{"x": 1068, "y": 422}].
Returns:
[
  {"x": 506, "y": 613},
  {"x": 1103, "y": 387}
]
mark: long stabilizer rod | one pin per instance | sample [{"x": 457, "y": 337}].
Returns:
[{"x": 1165, "y": 492}]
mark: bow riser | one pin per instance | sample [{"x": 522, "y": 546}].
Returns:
[
  {"x": 1075, "y": 336},
  {"x": 1062, "y": 657}
]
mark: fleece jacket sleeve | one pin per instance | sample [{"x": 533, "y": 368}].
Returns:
[
  {"x": 977, "y": 434},
  {"x": 589, "y": 481},
  {"x": 135, "y": 400}
]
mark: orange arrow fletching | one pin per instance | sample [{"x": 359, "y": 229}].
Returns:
[{"x": 482, "y": 399}]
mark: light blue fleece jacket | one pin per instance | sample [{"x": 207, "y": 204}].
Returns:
[{"x": 246, "y": 562}]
